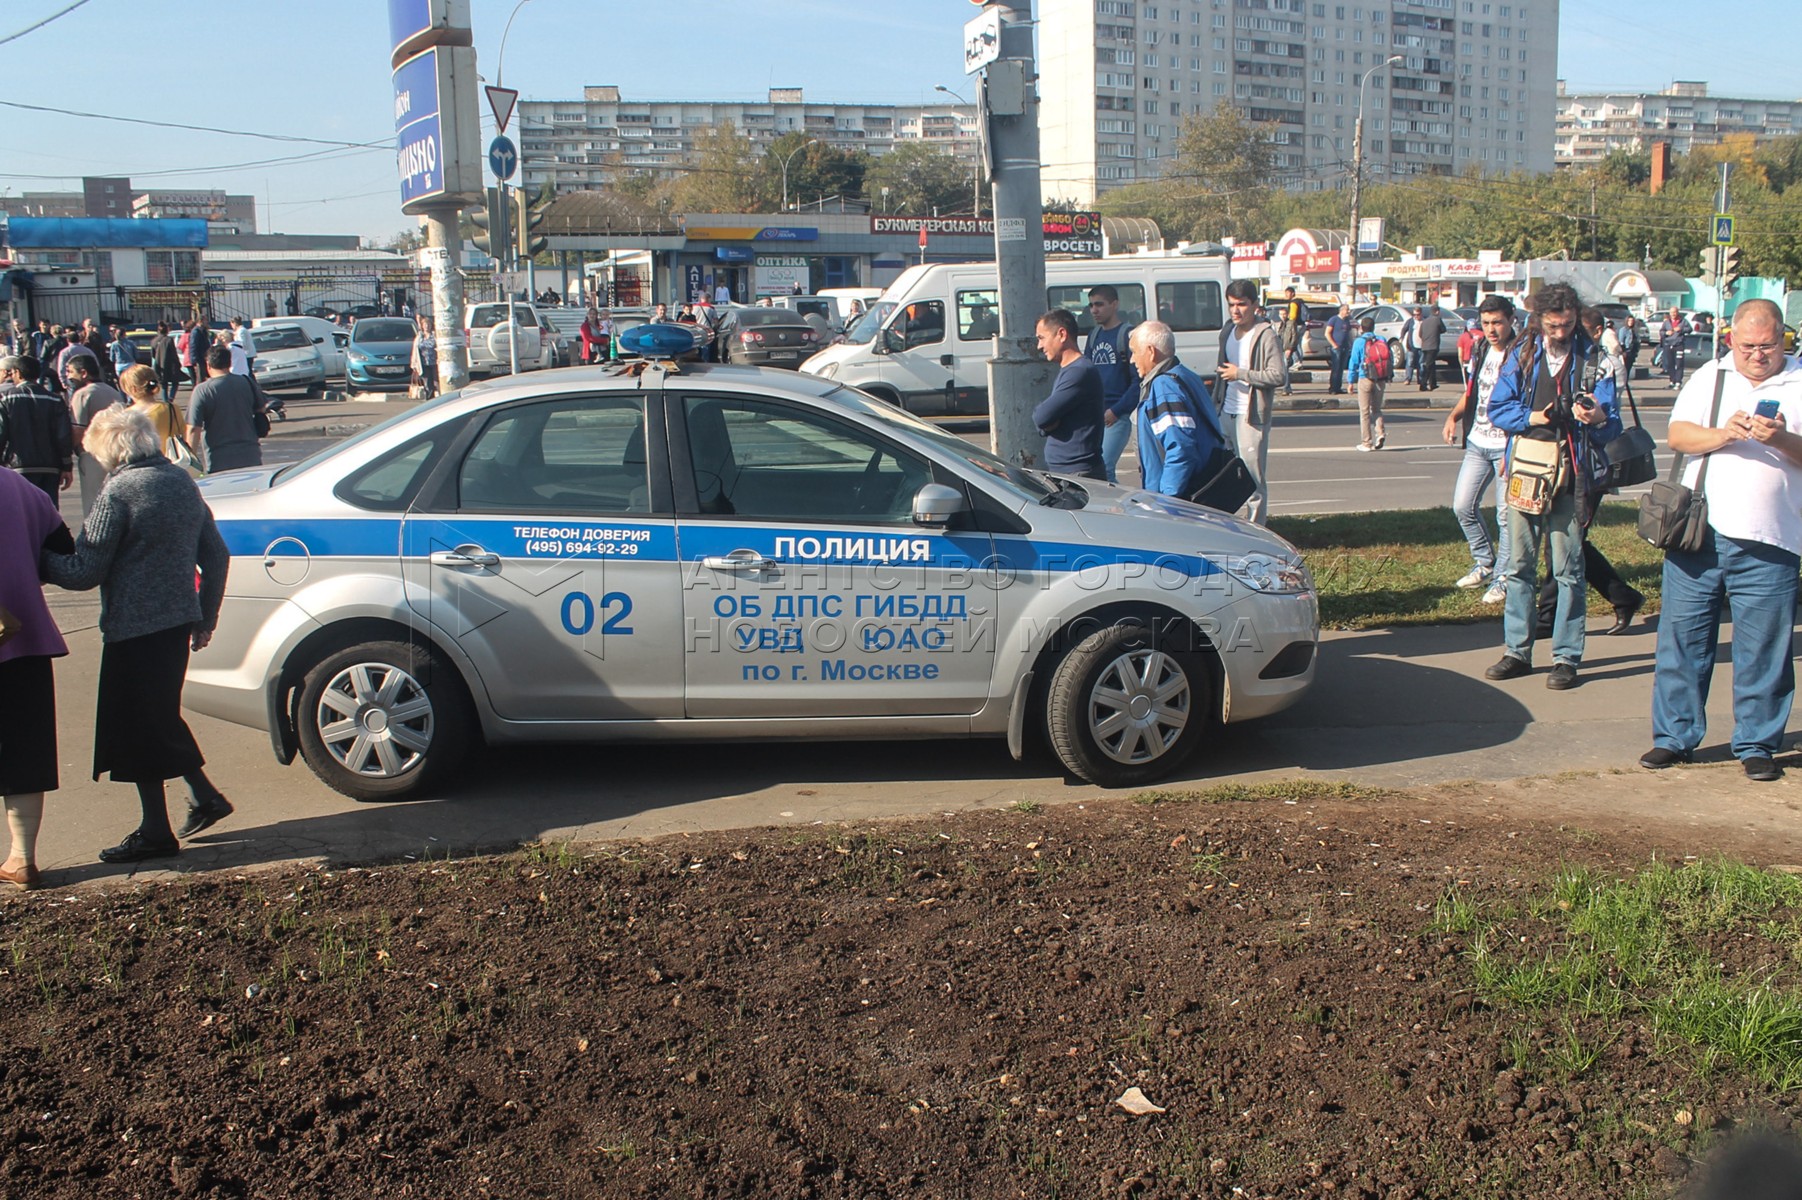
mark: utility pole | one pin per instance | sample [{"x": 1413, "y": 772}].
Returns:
[
  {"x": 1593, "y": 256},
  {"x": 1721, "y": 202},
  {"x": 1348, "y": 270},
  {"x": 1007, "y": 112}
]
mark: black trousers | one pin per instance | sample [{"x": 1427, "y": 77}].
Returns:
[
  {"x": 1598, "y": 573},
  {"x": 1429, "y": 368}
]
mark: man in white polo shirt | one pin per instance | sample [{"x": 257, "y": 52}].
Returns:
[{"x": 1754, "y": 489}]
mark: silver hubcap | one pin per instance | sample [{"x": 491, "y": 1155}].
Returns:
[
  {"x": 375, "y": 720},
  {"x": 1139, "y": 706}
]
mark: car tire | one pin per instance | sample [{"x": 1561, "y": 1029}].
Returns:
[
  {"x": 1125, "y": 707},
  {"x": 352, "y": 706},
  {"x": 313, "y": 392}
]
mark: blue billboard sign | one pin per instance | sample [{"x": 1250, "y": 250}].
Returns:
[
  {"x": 787, "y": 233},
  {"x": 407, "y": 19},
  {"x": 419, "y": 140},
  {"x": 734, "y": 254}
]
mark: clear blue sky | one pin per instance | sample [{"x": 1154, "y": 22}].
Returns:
[{"x": 319, "y": 69}]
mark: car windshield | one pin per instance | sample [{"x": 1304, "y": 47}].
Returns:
[
  {"x": 333, "y": 451},
  {"x": 870, "y": 323},
  {"x": 1027, "y": 485},
  {"x": 280, "y": 338},
  {"x": 381, "y": 331}
]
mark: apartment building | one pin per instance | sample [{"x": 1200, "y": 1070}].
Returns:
[
  {"x": 1475, "y": 86},
  {"x": 573, "y": 142},
  {"x": 1591, "y": 125}
]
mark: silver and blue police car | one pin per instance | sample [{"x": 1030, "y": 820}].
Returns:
[{"x": 662, "y": 551}]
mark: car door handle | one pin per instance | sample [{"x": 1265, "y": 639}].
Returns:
[
  {"x": 465, "y": 556},
  {"x": 738, "y": 560}
]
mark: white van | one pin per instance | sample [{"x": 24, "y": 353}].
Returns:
[
  {"x": 926, "y": 343},
  {"x": 328, "y": 336}
]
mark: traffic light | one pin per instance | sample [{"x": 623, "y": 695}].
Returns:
[
  {"x": 491, "y": 225},
  {"x": 1708, "y": 265},
  {"x": 1729, "y": 268},
  {"x": 528, "y": 217}
]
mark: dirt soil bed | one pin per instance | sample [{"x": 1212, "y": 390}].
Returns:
[{"x": 950, "y": 1007}]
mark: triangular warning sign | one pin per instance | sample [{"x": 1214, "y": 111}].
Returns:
[{"x": 501, "y": 101}]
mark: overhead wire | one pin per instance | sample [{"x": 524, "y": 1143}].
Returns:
[{"x": 36, "y": 25}]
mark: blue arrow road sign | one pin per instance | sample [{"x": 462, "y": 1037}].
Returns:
[{"x": 503, "y": 157}]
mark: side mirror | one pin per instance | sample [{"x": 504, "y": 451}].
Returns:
[{"x": 936, "y": 504}]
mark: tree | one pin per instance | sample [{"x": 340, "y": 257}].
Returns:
[
  {"x": 815, "y": 169},
  {"x": 921, "y": 179},
  {"x": 1226, "y": 166},
  {"x": 725, "y": 177}
]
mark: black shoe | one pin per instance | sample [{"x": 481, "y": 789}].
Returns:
[
  {"x": 204, "y": 816},
  {"x": 1623, "y": 617},
  {"x": 1658, "y": 758},
  {"x": 1509, "y": 668},
  {"x": 1562, "y": 677},
  {"x": 1760, "y": 769},
  {"x": 136, "y": 848}
]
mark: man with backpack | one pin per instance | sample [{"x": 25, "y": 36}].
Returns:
[
  {"x": 1556, "y": 429},
  {"x": 1107, "y": 348},
  {"x": 1372, "y": 367}
]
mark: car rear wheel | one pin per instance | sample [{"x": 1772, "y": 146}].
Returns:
[
  {"x": 381, "y": 720},
  {"x": 1125, "y": 708}
]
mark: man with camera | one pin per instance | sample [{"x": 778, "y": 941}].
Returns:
[
  {"x": 1738, "y": 416},
  {"x": 1555, "y": 461}
]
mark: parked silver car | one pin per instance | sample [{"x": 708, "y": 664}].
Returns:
[{"x": 645, "y": 552}]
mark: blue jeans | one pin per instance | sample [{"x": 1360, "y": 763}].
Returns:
[
  {"x": 1413, "y": 363},
  {"x": 1760, "y": 582},
  {"x": 1480, "y": 467},
  {"x": 169, "y": 392},
  {"x": 1341, "y": 358},
  {"x": 1519, "y": 610},
  {"x": 1113, "y": 442}
]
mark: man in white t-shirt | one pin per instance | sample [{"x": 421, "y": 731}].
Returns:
[
  {"x": 1485, "y": 448},
  {"x": 723, "y": 293},
  {"x": 1753, "y": 453}
]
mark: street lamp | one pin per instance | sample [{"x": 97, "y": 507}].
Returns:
[
  {"x": 786, "y": 159},
  {"x": 1351, "y": 242},
  {"x": 975, "y": 168},
  {"x": 500, "y": 60}
]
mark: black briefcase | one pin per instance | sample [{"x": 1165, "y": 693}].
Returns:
[{"x": 1227, "y": 482}]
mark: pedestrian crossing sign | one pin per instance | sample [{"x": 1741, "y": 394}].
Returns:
[{"x": 1723, "y": 229}]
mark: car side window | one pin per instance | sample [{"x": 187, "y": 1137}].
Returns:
[
  {"x": 767, "y": 461},
  {"x": 390, "y": 483},
  {"x": 1190, "y": 307},
  {"x": 581, "y": 454},
  {"x": 1075, "y": 297},
  {"x": 977, "y": 315},
  {"x": 921, "y": 323}
]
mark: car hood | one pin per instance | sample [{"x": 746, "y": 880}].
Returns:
[
  {"x": 837, "y": 353},
  {"x": 1118, "y": 516}
]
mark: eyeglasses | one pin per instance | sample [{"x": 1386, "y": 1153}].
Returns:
[{"x": 1758, "y": 347}]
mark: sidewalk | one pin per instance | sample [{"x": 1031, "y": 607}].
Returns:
[{"x": 1650, "y": 391}]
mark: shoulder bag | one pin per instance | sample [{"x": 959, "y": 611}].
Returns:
[
  {"x": 1226, "y": 482},
  {"x": 1630, "y": 456},
  {"x": 1671, "y": 516}
]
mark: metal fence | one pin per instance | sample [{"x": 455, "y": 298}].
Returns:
[{"x": 217, "y": 303}]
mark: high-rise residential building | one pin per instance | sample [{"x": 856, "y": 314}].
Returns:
[
  {"x": 211, "y": 205},
  {"x": 1591, "y": 125},
  {"x": 1474, "y": 88},
  {"x": 579, "y": 144}
]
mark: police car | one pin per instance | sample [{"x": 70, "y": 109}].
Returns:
[{"x": 658, "y": 551}]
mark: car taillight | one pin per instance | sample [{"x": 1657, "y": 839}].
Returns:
[
  {"x": 749, "y": 336},
  {"x": 810, "y": 335}
]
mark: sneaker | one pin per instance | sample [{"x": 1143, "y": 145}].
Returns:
[
  {"x": 204, "y": 816},
  {"x": 1380, "y": 441},
  {"x": 1760, "y": 769},
  {"x": 1509, "y": 668},
  {"x": 1658, "y": 758},
  {"x": 136, "y": 848},
  {"x": 1497, "y": 593},
  {"x": 1562, "y": 677},
  {"x": 1362, "y": 447},
  {"x": 1477, "y": 577}
]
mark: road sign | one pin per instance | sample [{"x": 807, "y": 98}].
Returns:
[
  {"x": 982, "y": 41},
  {"x": 500, "y": 102},
  {"x": 503, "y": 158},
  {"x": 1723, "y": 229}
]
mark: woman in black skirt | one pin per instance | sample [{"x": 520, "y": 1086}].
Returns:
[
  {"x": 141, "y": 545},
  {"x": 29, "y": 639}
]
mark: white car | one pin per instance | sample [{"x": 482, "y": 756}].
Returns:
[
  {"x": 648, "y": 553},
  {"x": 286, "y": 357},
  {"x": 488, "y": 329}
]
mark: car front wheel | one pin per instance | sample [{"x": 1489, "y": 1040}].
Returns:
[
  {"x": 1125, "y": 707},
  {"x": 381, "y": 720}
]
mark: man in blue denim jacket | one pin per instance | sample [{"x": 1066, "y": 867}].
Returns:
[{"x": 1544, "y": 389}]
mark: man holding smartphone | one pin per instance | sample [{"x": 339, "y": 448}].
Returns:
[
  {"x": 1539, "y": 397},
  {"x": 1752, "y": 552}
]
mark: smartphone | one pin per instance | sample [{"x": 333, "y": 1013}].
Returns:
[{"x": 1766, "y": 409}]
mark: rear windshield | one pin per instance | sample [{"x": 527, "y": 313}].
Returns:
[
  {"x": 487, "y": 316},
  {"x": 382, "y": 331},
  {"x": 283, "y": 338},
  {"x": 767, "y": 316}
]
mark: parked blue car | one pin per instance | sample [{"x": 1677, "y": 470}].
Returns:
[{"x": 379, "y": 355}]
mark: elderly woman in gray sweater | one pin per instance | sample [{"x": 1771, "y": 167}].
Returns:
[{"x": 148, "y": 532}]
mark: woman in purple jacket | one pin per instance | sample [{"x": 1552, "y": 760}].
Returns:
[{"x": 29, "y": 639}]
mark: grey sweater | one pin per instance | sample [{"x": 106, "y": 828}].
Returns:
[{"x": 148, "y": 531}]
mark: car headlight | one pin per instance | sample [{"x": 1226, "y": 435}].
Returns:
[
  {"x": 1270, "y": 574},
  {"x": 356, "y": 356},
  {"x": 827, "y": 370}
]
